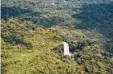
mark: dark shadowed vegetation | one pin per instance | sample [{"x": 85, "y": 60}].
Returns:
[{"x": 98, "y": 17}]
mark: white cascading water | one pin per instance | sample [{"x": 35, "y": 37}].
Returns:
[{"x": 66, "y": 48}]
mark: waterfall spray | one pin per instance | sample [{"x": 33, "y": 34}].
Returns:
[{"x": 66, "y": 48}]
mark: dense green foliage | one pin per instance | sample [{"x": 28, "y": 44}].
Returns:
[
  {"x": 98, "y": 17},
  {"x": 89, "y": 15},
  {"x": 33, "y": 32},
  {"x": 35, "y": 53}
]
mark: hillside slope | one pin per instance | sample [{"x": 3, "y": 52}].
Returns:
[
  {"x": 32, "y": 51},
  {"x": 33, "y": 32},
  {"x": 85, "y": 14}
]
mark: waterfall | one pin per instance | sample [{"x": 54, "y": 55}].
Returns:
[{"x": 66, "y": 48}]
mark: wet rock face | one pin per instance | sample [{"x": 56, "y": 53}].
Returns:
[
  {"x": 59, "y": 49},
  {"x": 77, "y": 46},
  {"x": 72, "y": 47}
]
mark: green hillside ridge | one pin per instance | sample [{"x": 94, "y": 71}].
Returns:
[
  {"x": 29, "y": 51},
  {"x": 33, "y": 32},
  {"x": 95, "y": 15}
]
